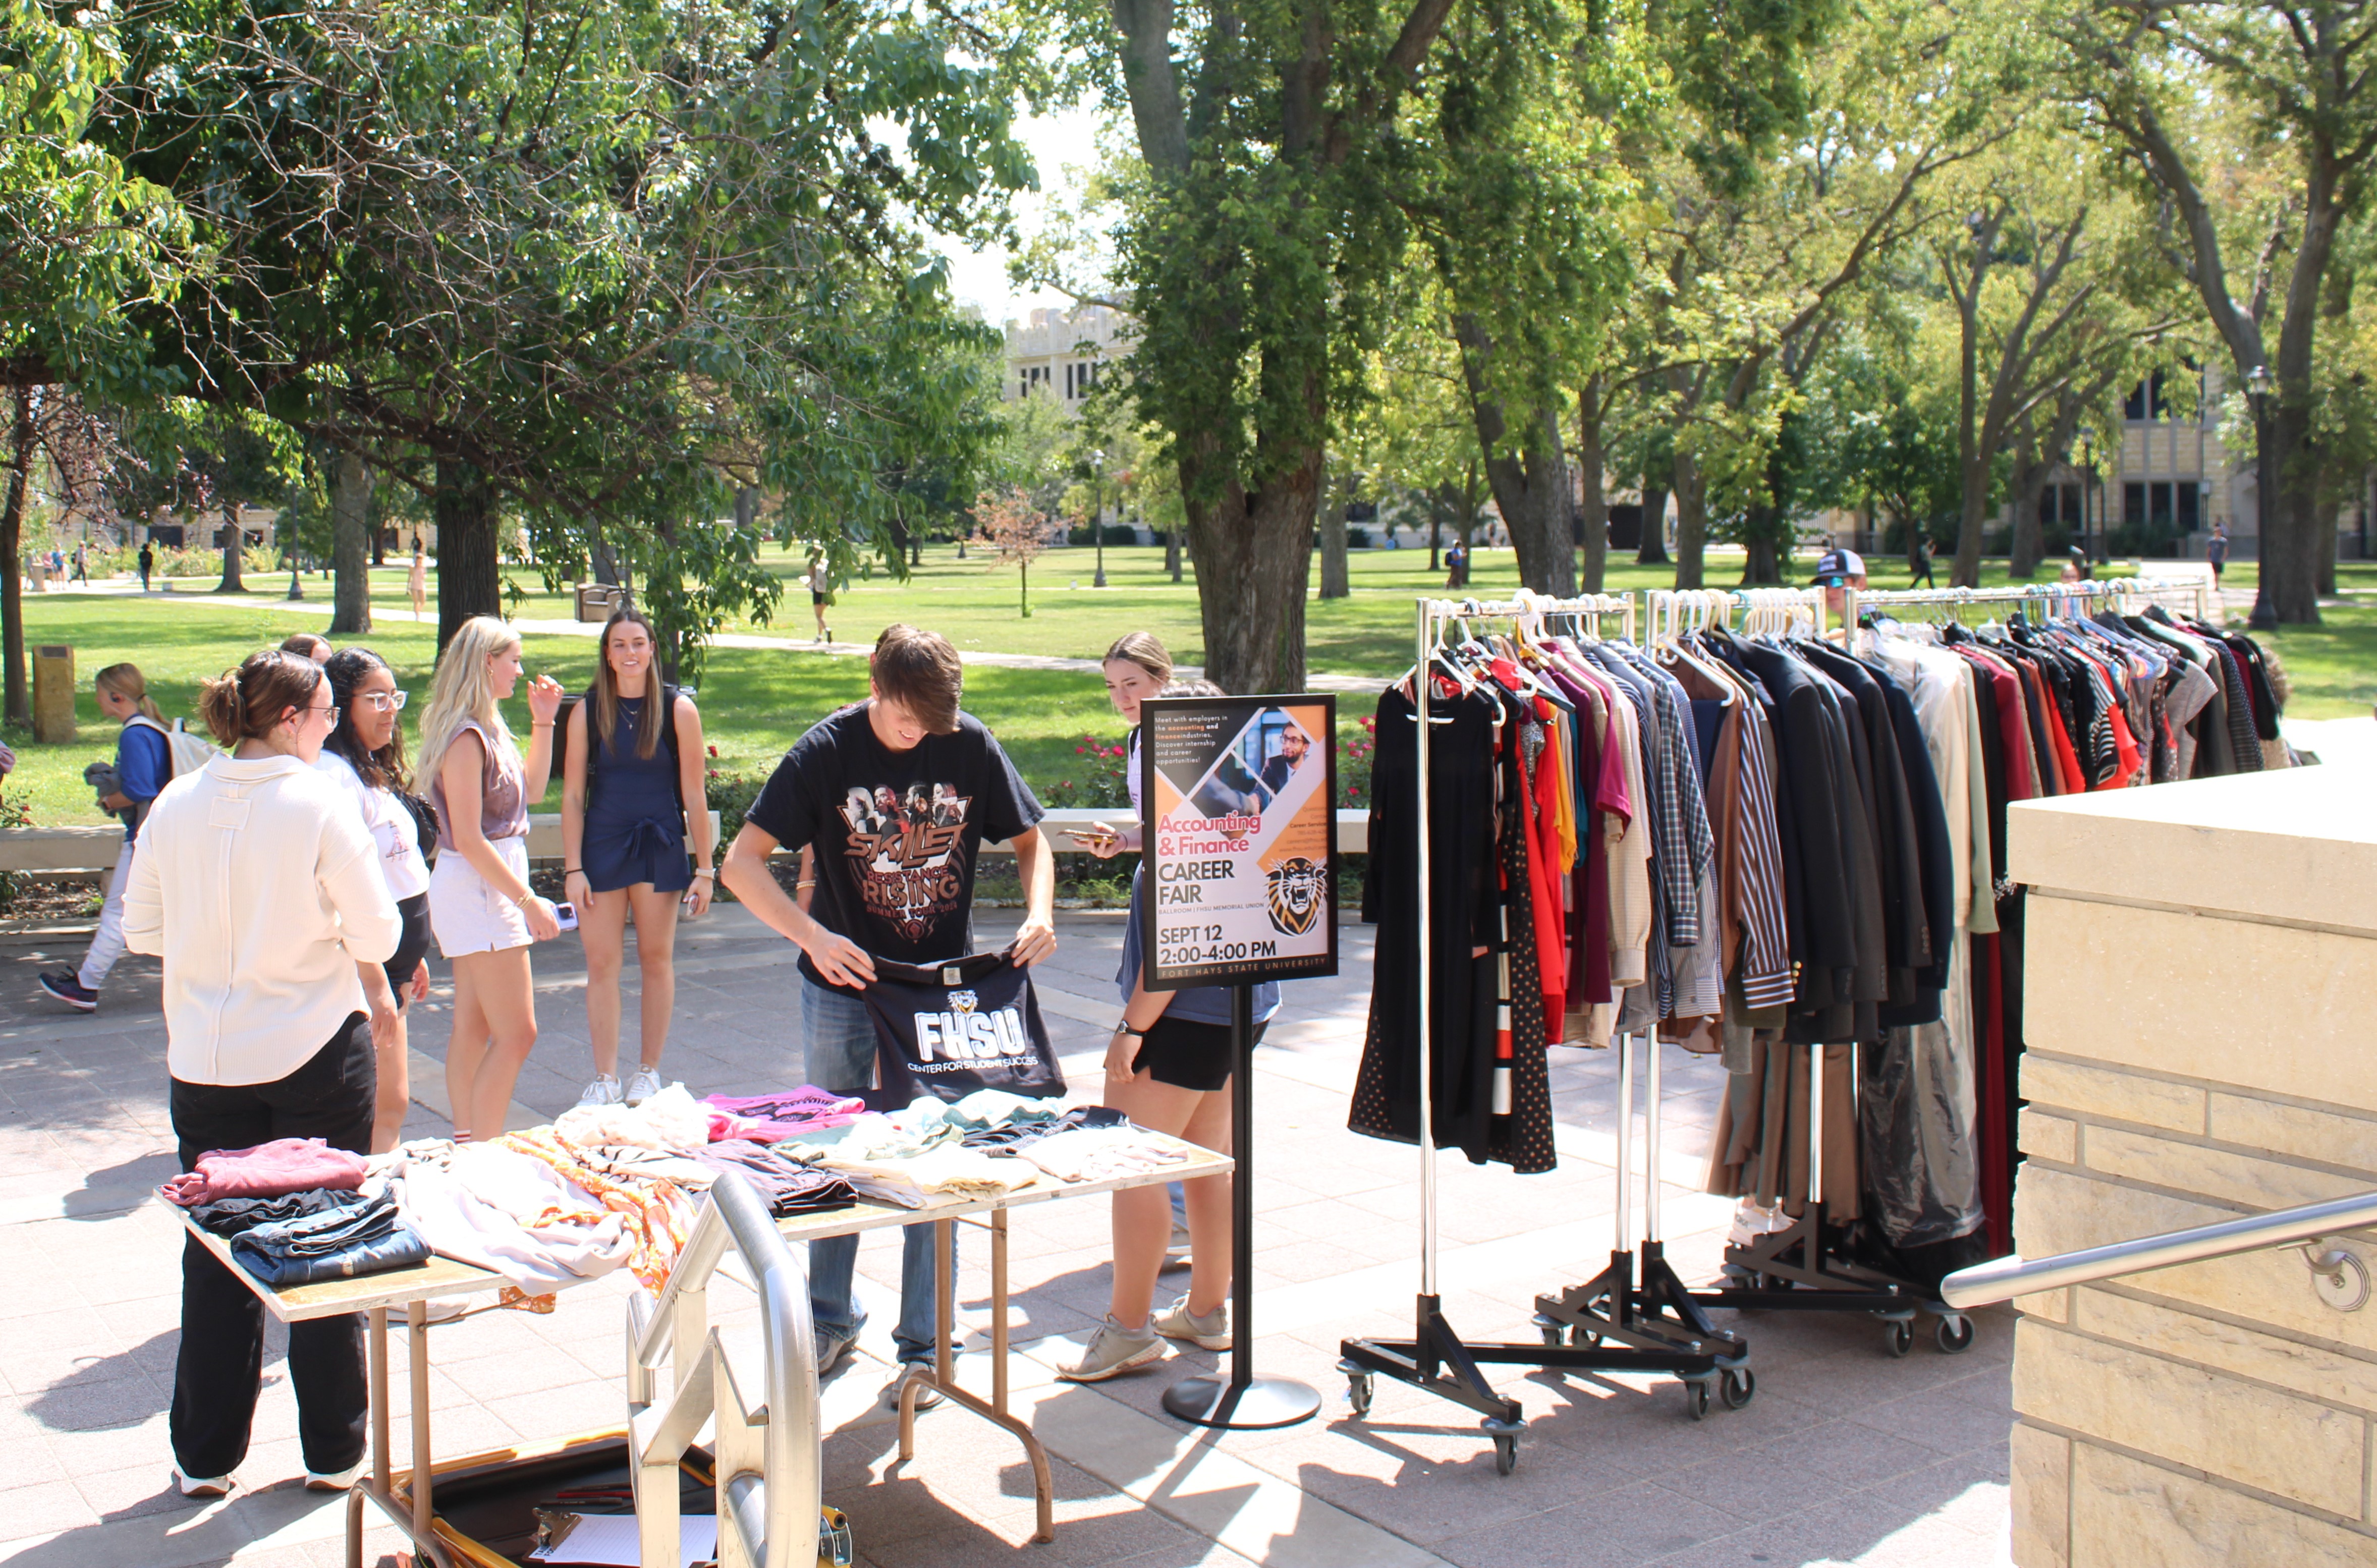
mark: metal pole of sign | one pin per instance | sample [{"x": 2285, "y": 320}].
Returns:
[{"x": 1242, "y": 1401}]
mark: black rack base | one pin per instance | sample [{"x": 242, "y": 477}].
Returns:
[{"x": 1797, "y": 1269}]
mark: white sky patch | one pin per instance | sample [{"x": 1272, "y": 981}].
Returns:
[{"x": 979, "y": 278}]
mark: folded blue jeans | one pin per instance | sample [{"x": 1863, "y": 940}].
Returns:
[{"x": 339, "y": 1243}]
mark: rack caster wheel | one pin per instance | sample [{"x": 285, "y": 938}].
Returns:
[
  {"x": 1357, "y": 1393},
  {"x": 1551, "y": 1330},
  {"x": 1897, "y": 1337},
  {"x": 1506, "y": 1443},
  {"x": 1584, "y": 1338},
  {"x": 1696, "y": 1398},
  {"x": 1952, "y": 1333},
  {"x": 1737, "y": 1388}
]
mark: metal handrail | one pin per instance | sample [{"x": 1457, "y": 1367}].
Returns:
[
  {"x": 769, "y": 1489},
  {"x": 2002, "y": 1279}
]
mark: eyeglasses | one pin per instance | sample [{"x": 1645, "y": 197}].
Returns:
[
  {"x": 383, "y": 702},
  {"x": 331, "y": 722}
]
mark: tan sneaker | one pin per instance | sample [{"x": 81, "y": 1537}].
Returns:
[
  {"x": 1112, "y": 1351},
  {"x": 1211, "y": 1332}
]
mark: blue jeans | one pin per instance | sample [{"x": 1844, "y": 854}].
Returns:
[{"x": 838, "y": 1046}]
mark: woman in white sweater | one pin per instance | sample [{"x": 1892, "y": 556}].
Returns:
[{"x": 260, "y": 886}]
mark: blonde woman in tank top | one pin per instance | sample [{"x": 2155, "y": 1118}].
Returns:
[{"x": 481, "y": 906}]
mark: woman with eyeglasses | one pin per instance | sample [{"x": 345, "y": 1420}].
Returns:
[
  {"x": 259, "y": 887},
  {"x": 481, "y": 905},
  {"x": 364, "y": 757}
]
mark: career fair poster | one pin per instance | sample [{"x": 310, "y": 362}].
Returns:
[{"x": 1237, "y": 798}]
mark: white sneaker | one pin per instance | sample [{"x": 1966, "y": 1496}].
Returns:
[
  {"x": 603, "y": 1091},
  {"x": 339, "y": 1481},
  {"x": 642, "y": 1086},
  {"x": 201, "y": 1486}
]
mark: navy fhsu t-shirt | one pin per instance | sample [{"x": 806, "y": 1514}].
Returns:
[
  {"x": 897, "y": 832},
  {"x": 947, "y": 1030}
]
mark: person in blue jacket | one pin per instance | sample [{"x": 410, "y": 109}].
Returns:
[{"x": 144, "y": 765}]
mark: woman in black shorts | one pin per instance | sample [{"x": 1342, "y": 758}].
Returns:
[
  {"x": 365, "y": 755},
  {"x": 1167, "y": 1067}
]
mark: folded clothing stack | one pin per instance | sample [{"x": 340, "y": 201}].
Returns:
[
  {"x": 230, "y": 1216},
  {"x": 267, "y": 1170},
  {"x": 343, "y": 1242},
  {"x": 770, "y": 1118}
]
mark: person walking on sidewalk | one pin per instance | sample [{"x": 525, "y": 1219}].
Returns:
[
  {"x": 364, "y": 757},
  {"x": 260, "y": 889},
  {"x": 416, "y": 581},
  {"x": 634, "y": 792},
  {"x": 819, "y": 581},
  {"x": 481, "y": 906},
  {"x": 893, "y": 884},
  {"x": 148, "y": 563},
  {"x": 1167, "y": 1067},
  {"x": 144, "y": 765}
]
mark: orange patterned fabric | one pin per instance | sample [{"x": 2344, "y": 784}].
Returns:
[{"x": 657, "y": 1213}]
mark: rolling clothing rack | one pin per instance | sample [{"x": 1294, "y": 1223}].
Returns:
[
  {"x": 2055, "y": 598},
  {"x": 1436, "y": 1357}
]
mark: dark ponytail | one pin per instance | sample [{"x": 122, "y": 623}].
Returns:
[{"x": 247, "y": 703}]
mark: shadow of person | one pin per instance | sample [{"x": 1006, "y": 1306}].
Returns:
[{"x": 110, "y": 1192}]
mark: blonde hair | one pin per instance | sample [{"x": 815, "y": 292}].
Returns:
[
  {"x": 461, "y": 691},
  {"x": 1145, "y": 649},
  {"x": 127, "y": 682}
]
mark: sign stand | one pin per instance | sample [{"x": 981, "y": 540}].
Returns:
[
  {"x": 1240, "y": 875},
  {"x": 1242, "y": 1401}
]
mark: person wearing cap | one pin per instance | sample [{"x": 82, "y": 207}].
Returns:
[{"x": 1837, "y": 570}]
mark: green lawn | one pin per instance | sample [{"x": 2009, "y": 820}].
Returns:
[{"x": 756, "y": 702}]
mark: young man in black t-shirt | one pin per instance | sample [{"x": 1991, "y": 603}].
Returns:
[{"x": 895, "y": 796}]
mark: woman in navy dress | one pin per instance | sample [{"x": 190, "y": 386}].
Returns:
[{"x": 633, "y": 799}]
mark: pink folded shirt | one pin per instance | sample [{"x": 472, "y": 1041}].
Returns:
[
  {"x": 267, "y": 1170},
  {"x": 768, "y": 1118}
]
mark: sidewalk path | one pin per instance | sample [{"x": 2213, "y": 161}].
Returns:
[
  {"x": 320, "y": 606},
  {"x": 1844, "y": 1457}
]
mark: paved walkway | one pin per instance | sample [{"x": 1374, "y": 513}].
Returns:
[{"x": 1844, "y": 1457}]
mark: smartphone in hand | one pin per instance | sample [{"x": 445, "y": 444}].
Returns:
[{"x": 567, "y": 916}]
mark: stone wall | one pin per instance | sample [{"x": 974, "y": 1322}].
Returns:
[{"x": 2201, "y": 977}]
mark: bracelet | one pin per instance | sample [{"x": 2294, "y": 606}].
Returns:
[
  {"x": 573, "y": 870},
  {"x": 540, "y": 723},
  {"x": 1124, "y": 1028},
  {"x": 810, "y": 883},
  {"x": 707, "y": 871}
]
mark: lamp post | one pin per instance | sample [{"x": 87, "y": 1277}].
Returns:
[
  {"x": 1097, "y": 512},
  {"x": 2266, "y": 490},
  {"x": 2087, "y": 489}
]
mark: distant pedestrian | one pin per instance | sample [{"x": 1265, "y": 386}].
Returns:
[
  {"x": 1918, "y": 562},
  {"x": 1456, "y": 562},
  {"x": 82, "y": 564},
  {"x": 820, "y": 583},
  {"x": 144, "y": 765},
  {"x": 148, "y": 563},
  {"x": 416, "y": 581},
  {"x": 2217, "y": 552}
]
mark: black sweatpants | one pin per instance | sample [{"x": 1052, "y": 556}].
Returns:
[{"x": 221, "y": 1366}]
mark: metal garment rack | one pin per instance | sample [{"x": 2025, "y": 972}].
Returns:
[
  {"x": 1436, "y": 1359},
  {"x": 2057, "y": 599}
]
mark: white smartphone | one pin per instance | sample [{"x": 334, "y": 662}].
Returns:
[{"x": 567, "y": 914}]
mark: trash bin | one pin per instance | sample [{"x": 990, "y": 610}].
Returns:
[
  {"x": 53, "y": 694},
  {"x": 597, "y": 600}
]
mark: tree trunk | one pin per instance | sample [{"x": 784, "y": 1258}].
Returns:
[
  {"x": 1594, "y": 501},
  {"x": 1652, "y": 549},
  {"x": 1760, "y": 568},
  {"x": 234, "y": 542},
  {"x": 1435, "y": 531},
  {"x": 469, "y": 580},
  {"x": 1171, "y": 551},
  {"x": 2330, "y": 506},
  {"x": 12, "y": 539},
  {"x": 2289, "y": 545},
  {"x": 1531, "y": 484},
  {"x": 1254, "y": 558},
  {"x": 604, "y": 561},
  {"x": 350, "y": 481},
  {"x": 1691, "y": 524},
  {"x": 1335, "y": 583}
]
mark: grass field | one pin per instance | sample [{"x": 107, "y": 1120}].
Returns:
[{"x": 757, "y": 702}]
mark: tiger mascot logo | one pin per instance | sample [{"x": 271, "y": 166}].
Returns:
[{"x": 1295, "y": 893}]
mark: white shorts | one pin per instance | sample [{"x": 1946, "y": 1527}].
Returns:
[{"x": 467, "y": 914}]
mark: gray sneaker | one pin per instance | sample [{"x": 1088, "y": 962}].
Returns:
[
  {"x": 830, "y": 1349},
  {"x": 1211, "y": 1332},
  {"x": 1114, "y": 1349},
  {"x": 603, "y": 1091}
]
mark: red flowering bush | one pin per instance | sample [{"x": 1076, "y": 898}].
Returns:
[
  {"x": 1356, "y": 749},
  {"x": 1103, "y": 779}
]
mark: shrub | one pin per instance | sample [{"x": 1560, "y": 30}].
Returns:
[
  {"x": 1100, "y": 780},
  {"x": 1356, "y": 752}
]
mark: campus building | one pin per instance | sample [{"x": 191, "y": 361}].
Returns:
[{"x": 1062, "y": 352}]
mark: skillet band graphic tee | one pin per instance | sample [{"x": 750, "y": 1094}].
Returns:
[
  {"x": 897, "y": 832},
  {"x": 942, "y": 1031}
]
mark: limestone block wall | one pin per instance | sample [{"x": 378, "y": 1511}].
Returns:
[{"x": 2201, "y": 1013}]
